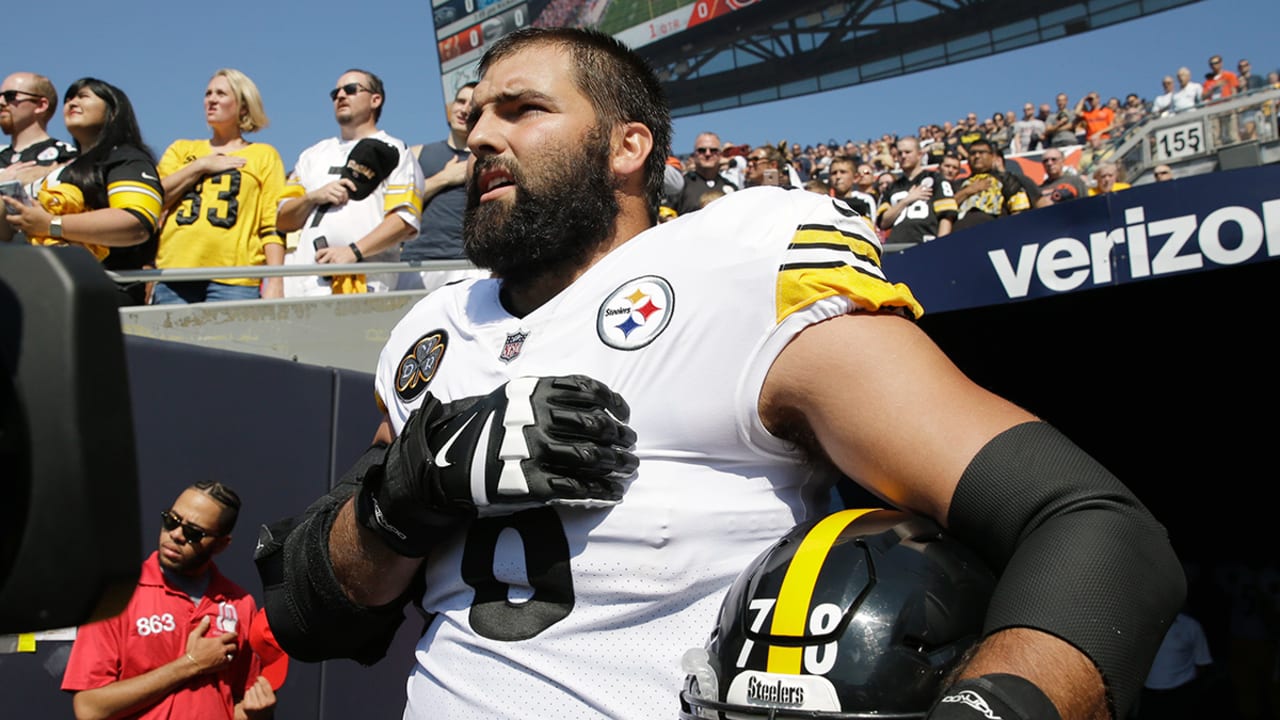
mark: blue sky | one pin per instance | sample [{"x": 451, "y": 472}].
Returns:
[{"x": 162, "y": 54}]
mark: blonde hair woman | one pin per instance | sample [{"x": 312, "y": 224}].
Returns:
[{"x": 220, "y": 199}]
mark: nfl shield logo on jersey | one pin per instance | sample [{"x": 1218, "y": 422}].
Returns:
[{"x": 513, "y": 345}]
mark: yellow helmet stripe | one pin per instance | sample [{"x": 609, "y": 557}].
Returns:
[{"x": 792, "y": 611}]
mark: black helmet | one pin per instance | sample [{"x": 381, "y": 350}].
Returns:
[{"x": 861, "y": 614}]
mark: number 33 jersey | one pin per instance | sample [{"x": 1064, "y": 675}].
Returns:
[
  {"x": 225, "y": 219},
  {"x": 572, "y": 613}
]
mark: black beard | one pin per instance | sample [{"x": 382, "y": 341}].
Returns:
[{"x": 557, "y": 221}]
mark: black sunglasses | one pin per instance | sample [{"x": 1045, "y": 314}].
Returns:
[
  {"x": 11, "y": 96},
  {"x": 349, "y": 89},
  {"x": 171, "y": 521},
  {"x": 707, "y": 151}
]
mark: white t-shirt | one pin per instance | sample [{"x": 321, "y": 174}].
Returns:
[{"x": 1187, "y": 97}]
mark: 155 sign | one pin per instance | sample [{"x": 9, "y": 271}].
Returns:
[{"x": 1179, "y": 141}]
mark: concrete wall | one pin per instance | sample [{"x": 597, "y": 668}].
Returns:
[{"x": 344, "y": 331}]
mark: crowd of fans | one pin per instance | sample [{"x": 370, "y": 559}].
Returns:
[
  {"x": 108, "y": 192},
  {"x": 873, "y": 174}
]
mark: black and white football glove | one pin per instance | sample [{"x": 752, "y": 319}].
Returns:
[{"x": 532, "y": 442}]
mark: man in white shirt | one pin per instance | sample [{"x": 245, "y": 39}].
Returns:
[
  {"x": 339, "y": 224},
  {"x": 1189, "y": 93},
  {"x": 1163, "y": 103}
]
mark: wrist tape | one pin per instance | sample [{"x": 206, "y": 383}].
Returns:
[{"x": 1007, "y": 697}]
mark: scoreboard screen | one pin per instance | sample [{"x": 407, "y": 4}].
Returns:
[{"x": 466, "y": 28}]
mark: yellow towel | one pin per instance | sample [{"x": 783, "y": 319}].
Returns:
[
  {"x": 347, "y": 284},
  {"x": 65, "y": 199}
]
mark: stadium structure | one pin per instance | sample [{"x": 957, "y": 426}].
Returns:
[
  {"x": 719, "y": 54},
  {"x": 1129, "y": 320}
]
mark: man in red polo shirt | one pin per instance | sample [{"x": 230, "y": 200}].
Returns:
[{"x": 181, "y": 647}]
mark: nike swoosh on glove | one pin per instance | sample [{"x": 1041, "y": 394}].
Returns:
[{"x": 531, "y": 442}]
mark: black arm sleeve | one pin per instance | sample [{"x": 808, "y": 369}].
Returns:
[
  {"x": 1080, "y": 557},
  {"x": 308, "y": 610}
]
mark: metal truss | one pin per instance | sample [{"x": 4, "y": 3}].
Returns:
[{"x": 775, "y": 49}]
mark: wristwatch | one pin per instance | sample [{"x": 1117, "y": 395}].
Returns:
[{"x": 55, "y": 227}]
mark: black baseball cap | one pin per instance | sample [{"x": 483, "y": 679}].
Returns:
[{"x": 368, "y": 164}]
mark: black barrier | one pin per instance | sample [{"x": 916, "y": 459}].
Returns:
[
  {"x": 1200, "y": 224},
  {"x": 279, "y": 433},
  {"x": 1166, "y": 375}
]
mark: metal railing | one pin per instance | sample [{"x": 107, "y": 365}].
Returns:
[
  {"x": 265, "y": 271},
  {"x": 1198, "y": 134}
]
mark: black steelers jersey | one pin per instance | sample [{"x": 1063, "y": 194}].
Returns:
[{"x": 918, "y": 222}]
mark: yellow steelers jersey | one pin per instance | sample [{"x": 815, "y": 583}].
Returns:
[{"x": 224, "y": 220}]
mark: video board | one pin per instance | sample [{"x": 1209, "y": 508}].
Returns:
[{"x": 466, "y": 28}]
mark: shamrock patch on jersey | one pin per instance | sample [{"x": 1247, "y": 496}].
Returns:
[{"x": 419, "y": 364}]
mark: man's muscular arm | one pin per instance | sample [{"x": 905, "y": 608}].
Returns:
[
  {"x": 371, "y": 573},
  {"x": 1039, "y": 510},
  {"x": 201, "y": 655}
]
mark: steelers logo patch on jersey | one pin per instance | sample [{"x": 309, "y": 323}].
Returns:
[
  {"x": 636, "y": 313},
  {"x": 419, "y": 364}
]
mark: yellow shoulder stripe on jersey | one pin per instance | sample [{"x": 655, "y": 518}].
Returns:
[
  {"x": 824, "y": 261},
  {"x": 791, "y": 613},
  {"x": 398, "y": 196},
  {"x": 132, "y": 195},
  {"x": 944, "y": 204}
]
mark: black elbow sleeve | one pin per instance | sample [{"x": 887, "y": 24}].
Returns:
[
  {"x": 1080, "y": 557},
  {"x": 310, "y": 614}
]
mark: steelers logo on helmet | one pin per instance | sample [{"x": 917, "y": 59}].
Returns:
[
  {"x": 861, "y": 614},
  {"x": 419, "y": 364},
  {"x": 636, "y": 313}
]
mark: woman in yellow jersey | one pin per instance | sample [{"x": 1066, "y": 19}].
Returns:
[
  {"x": 107, "y": 200},
  {"x": 220, "y": 198}
]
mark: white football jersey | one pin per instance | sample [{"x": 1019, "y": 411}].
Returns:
[
  {"x": 576, "y": 613},
  {"x": 319, "y": 165}
]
